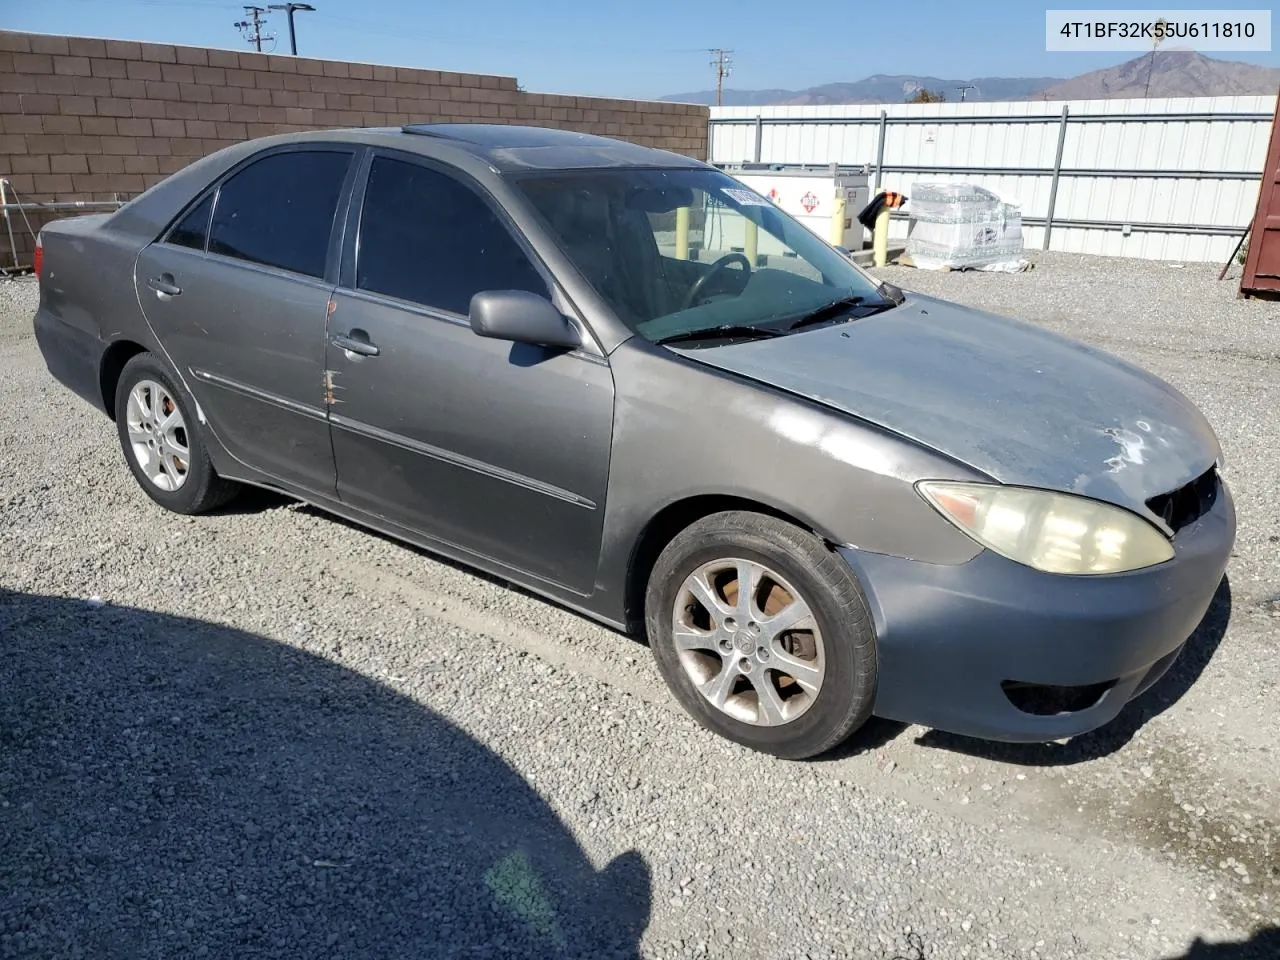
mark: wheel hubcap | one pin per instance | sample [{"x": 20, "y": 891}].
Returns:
[
  {"x": 158, "y": 435},
  {"x": 749, "y": 642}
]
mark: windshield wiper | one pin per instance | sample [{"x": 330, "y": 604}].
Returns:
[
  {"x": 826, "y": 312},
  {"x": 721, "y": 332}
]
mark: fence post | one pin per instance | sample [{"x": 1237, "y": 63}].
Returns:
[
  {"x": 4, "y": 202},
  {"x": 1053, "y": 186},
  {"x": 759, "y": 135},
  {"x": 884, "y": 116}
]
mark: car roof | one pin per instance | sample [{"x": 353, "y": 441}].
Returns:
[
  {"x": 476, "y": 147},
  {"x": 505, "y": 147},
  {"x": 511, "y": 147}
]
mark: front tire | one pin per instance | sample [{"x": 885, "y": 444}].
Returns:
[
  {"x": 788, "y": 665},
  {"x": 161, "y": 440}
]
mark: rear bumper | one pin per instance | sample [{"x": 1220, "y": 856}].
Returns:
[
  {"x": 73, "y": 357},
  {"x": 952, "y": 638}
]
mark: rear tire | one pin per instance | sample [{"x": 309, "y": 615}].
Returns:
[
  {"x": 161, "y": 441},
  {"x": 790, "y": 671}
]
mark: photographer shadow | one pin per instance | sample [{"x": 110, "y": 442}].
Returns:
[{"x": 174, "y": 787}]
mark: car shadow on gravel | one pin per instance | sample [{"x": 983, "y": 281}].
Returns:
[
  {"x": 1181, "y": 677},
  {"x": 172, "y": 787},
  {"x": 875, "y": 733},
  {"x": 1263, "y": 945},
  {"x": 426, "y": 554},
  {"x": 250, "y": 501},
  {"x": 871, "y": 736}
]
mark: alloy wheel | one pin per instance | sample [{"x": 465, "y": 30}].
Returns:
[
  {"x": 749, "y": 642},
  {"x": 158, "y": 435}
]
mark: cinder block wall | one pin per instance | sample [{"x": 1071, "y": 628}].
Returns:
[{"x": 89, "y": 119}]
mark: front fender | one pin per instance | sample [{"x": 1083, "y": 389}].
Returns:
[{"x": 683, "y": 430}]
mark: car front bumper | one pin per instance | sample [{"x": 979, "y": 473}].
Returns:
[{"x": 952, "y": 638}]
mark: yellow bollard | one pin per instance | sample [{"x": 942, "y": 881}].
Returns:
[
  {"x": 752, "y": 242},
  {"x": 837, "y": 221},
  {"x": 880, "y": 237},
  {"x": 682, "y": 233}
]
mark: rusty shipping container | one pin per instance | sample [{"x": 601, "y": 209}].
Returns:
[{"x": 1262, "y": 265}]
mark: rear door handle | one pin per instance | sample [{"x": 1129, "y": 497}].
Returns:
[
  {"x": 357, "y": 342},
  {"x": 164, "y": 286}
]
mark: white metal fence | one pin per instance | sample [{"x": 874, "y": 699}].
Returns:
[{"x": 1161, "y": 179}]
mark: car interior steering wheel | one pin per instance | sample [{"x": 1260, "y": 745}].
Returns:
[{"x": 720, "y": 265}]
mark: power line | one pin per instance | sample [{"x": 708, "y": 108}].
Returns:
[
  {"x": 210, "y": 4},
  {"x": 362, "y": 26},
  {"x": 721, "y": 62},
  {"x": 256, "y": 23},
  {"x": 964, "y": 90}
]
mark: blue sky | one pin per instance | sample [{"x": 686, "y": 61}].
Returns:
[{"x": 641, "y": 49}]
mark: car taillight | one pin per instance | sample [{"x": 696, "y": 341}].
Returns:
[{"x": 37, "y": 259}]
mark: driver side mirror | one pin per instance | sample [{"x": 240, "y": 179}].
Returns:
[{"x": 521, "y": 317}]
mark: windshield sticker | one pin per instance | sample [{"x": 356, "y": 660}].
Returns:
[{"x": 745, "y": 197}]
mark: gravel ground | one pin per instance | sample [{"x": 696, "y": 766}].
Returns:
[{"x": 268, "y": 733}]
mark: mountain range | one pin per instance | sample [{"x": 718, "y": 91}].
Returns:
[{"x": 1171, "y": 73}]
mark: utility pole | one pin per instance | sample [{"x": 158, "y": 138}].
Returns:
[
  {"x": 289, "y": 8},
  {"x": 721, "y": 61},
  {"x": 256, "y": 23},
  {"x": 964, "y": 90}
]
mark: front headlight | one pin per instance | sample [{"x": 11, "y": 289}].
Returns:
[{"x": 1053, "y": 532}]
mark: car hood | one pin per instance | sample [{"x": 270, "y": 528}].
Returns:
[{"x": 1021, "y": 404}]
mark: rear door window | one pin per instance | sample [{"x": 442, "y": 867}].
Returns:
[
  {"x": 279, "y": 210},
  {"x": 427, "y": 238}
]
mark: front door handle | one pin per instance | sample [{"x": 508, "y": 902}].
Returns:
[
  {"x": 164, "y": 286},
  {"x": 357, "y": 342}
]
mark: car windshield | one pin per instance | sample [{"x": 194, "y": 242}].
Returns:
[{"x": 668, "y": 250}]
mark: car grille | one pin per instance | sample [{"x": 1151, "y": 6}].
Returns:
[{"x": 1184, "y": 506}]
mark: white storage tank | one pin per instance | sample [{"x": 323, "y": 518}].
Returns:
[{"x": 826, "y": 199}]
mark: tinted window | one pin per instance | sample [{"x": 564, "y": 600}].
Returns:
[
  {"x": 279, "y": 210},
  {"x": 425, "y": 237},
  {"x": 191, "y": 230}
]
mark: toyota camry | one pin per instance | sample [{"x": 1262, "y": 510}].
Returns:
[{"x": 623, "y": 380}]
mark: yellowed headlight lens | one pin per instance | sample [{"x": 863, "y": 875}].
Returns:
[{"x": 1052, "y": 532}]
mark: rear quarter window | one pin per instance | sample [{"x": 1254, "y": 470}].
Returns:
[{"x": 192, "y": 229}]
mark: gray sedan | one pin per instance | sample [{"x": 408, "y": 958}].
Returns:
[{"x": 621, "y": 379}]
